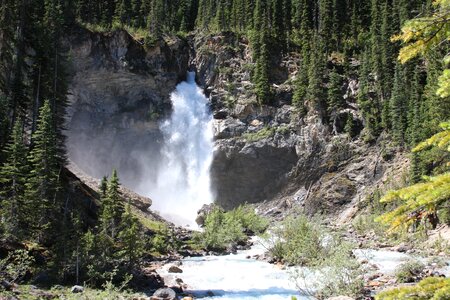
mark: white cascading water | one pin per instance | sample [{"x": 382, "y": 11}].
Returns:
[{"x": 183, "y": 181}]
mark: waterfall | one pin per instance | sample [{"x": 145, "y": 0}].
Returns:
[{"x": 183, "y": 182}]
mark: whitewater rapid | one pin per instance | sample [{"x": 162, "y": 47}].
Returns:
[
  {"x": 236, "y": 276},
  {"x": 183, "y": 182}
]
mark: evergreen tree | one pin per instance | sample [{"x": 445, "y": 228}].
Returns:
[
  {"x": 12, "y": 180},
  {"x": 43, "y": 181},
  {"x": 300, "y": 88},
  {"x": 326, "y": 23},
  {"x": 315, "y": 92},
  {"x": 368, "y": 108},
  {"x": 335, "y": 98},
  {"x": 112, "y": 207},
  {"x": 398, "y": 105},
  {"x": 350, "y": 126},
  {"x": 422, "y": 199},
  {"x": 132, "y": 246},
  {"x": 261, "y": 76},
  {"x": 104, "y": 186}
]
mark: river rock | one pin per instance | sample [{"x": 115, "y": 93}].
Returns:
[
  {"x": 164, "y": 294},
  {"x": 174, "y": 269},
  {"x": 203, "y": 212},
  {"x": 341, "y": 298},
  {"x": 77, "y": 289}
]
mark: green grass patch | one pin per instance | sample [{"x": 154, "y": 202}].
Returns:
[{"x": 265, "y": 132}]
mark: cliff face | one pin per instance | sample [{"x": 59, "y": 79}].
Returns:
[
  {"x": 118, "y": 92},
  {"x": 120, "y": 89},
  {"x": 271, "y": 152}
]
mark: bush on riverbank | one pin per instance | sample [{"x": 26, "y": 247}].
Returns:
[
  {"x": 328, "y": 265},
  {"x": 225, "y": 228},
  {"x": 431, "y": 288}
]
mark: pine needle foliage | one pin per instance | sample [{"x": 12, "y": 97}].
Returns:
[
  {"x": 425, "y": 33},
  {"x": 422, "y": 199}
]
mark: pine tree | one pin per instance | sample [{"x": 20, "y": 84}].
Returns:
[
  {"x": 398, "y": 105},
  {"x": 43, "y": 181},
  {"x": 132, "y": 246},
  {"x": 104, "y": 186},
  {"x": 12, "y": 180},
  {"x": 261, "y": 76},
  {"x": 335, "y": 99},
  {"x": 300, "y": 88},
  {"x": 112, "y": 207},
  {"x": 8, "y": 18},
  {"x": 350, "y": 126},
  {"x": 315, "y": 92},
  {"x": 326, "y": 23},
  {"x": 155, "y": 19},
  {"x": 368, "y": 108}
]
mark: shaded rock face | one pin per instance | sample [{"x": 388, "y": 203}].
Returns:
[
  {"x": 118, "y": 92},
  {"x": 250, "y": 172}
]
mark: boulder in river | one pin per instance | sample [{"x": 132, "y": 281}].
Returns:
[
  {"x": 164, "y": 294},
  {"x": 175, "y": 269}
]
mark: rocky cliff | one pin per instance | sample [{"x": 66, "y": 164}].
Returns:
[{"x": 120, "y": 89}]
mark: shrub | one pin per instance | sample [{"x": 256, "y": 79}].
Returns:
[
  {"x": 259, "y": 135},
  {"x": 224, "y": 228},
  {"x": 305, "y": 242},
  {"x": 431, "y": 288},
  {"x": 409, "y": 271},
  {"x": 15, "y": 266}
]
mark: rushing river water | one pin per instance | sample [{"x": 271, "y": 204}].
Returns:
[{"x": 236, "y": 276}]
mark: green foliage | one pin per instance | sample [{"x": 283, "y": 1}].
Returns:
[
  {"x": 300, "y": 241},
  {"x": 131, "y": 238},
  {"x": 409, "y": 271},
  {"x": 431, "y": 288},
  {"x": 335, "y": 99},
  {"x": 224, "y": 228},
  {"x": 13, "y": 177},
  {"x": 165, "y": 240},
  {"x": 421, "y": 200},
  {"x": 15, "y": 266},
  {"x": 264, "y": 133},
  {"x": 43, "y": 181}
]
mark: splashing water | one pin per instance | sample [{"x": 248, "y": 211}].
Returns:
[{"x": 183, "y": 181}]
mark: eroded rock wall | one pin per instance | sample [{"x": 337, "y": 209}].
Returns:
[{"x": 118, "y": 92}]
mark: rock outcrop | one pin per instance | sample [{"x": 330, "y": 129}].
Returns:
[{"x": 120, "y": 90}]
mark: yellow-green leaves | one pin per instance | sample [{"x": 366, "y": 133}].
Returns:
[
  {"x": 431, "y": 288},
  {"x": 421, "y": 34},
  {"x": 423, "y": 198}
]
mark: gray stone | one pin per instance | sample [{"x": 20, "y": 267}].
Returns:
[
  {"x": 174, "y": 269},
  {"x": 164, "y": 294},
  {"x": 77, "y": 289}
]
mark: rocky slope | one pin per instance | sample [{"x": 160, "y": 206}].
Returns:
[{"x": 120, "y": 89}]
